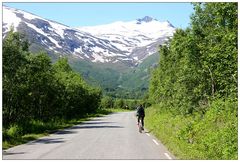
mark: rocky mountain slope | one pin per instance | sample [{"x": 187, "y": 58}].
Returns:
[
  {"x": 117, "y": 56},
  {"x": 126, "y": 42}
]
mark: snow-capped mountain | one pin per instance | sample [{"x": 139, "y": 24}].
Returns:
[
  {"x": 133, "y": 34},
  {"x": 138, "y": 39},
  {"x": 126, "y": 42}
]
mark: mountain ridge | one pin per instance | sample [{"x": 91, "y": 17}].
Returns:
[
  {"x": 82, "y": 43},
  {"x": 119, "y": 62}
]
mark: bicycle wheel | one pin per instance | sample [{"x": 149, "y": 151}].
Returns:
[{"x": 140, "y": 126}]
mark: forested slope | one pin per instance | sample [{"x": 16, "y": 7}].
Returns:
[
  {"x": 37, "y": 91},
  {"x": 195, "y": 86}
]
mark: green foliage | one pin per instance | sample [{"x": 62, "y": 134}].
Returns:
[
  {"x": 212, "y": 136},
  {"x": 107, "y": 102},
  {"x": 196, "y": 81},
  {"x": 119, "y": 81},
  {"x": 14, "y": 50},
  {"x": 200, "y": 62},
  {"x": 119, "y": 103},
  {"x": 34, "y": 88},
  {"x": 14, "y": 131},
  {"x": 216, "y": 133},
  {"x": 215, "y": 25},
  {"x": 128, "y": 104},
  {"x": 13, "y": 61}
]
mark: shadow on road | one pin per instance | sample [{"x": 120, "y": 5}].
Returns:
[
  {"x": 64, "y": 132},
  {"x": 96, "y": 126},
  {"x": 47, "y": 141},
  {"x": 11, "y": 153},
  {"x": 97, "y": 123},
  {"x": 97, "y": 119}
]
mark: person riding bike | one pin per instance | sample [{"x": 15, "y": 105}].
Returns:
[{"x": 140, "y": 115}]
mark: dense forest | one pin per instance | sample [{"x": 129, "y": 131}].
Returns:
[
  {"x": 36, "y": 89},
  {"x": 195, "y": 84},
  {"x": 41, "y": 96}
]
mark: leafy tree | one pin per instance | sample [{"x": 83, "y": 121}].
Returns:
[
  {"x": 200, "y": 62},
  {"x": 215, "y": 27},
  {"x": 119, "y": 103},
  {"x": 36, "y": 89},
  {"x": 13, "y": 57},
  {"x": 40, "y": 89},
  {"x": 107, "y": 102},
  {"x": 197, "y": 78}
]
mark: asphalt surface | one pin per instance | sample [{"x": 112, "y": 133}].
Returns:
[{"x": 114, "y": 136}]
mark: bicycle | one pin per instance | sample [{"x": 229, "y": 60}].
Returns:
[{"x": 140, "y": 127}]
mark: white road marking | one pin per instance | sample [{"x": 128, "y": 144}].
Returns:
[
  {"x": 155, "y": 142},
  {"x": 166, "y": 154},
  {"x": 148, "y": 134}
]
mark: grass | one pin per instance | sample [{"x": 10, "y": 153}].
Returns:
[
  {"x": 16, "y": 135},
  {"x": 160, "y": 124},
  {"x": 212, "y": 136}
]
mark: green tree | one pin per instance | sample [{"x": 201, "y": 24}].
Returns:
[
  {"x": 107, "y": 102},
  {"x": 200, "y": 62},
  {"x": 39, "y": 80},
  {"x": 215, "y": 27},
  {"x": 13, "y": 57},
  {"x": 119, "y": 103},
  {"x": 197, "y": 78},
  {"x": 36, "y": 89}
]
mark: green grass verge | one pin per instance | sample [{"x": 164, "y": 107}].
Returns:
[
  {"x": 16, "y": 134},
  {"x": 165, "y": 127},
  {"x": 212, "y": 136},
  {"x": 19, "y": 134}
]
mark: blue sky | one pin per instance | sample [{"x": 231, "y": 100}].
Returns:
[{"x": 89, "y": 14}]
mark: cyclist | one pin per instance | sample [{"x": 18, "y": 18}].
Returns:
[{"x": 141, "y": 114}]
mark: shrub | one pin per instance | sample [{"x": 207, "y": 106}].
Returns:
[{"x": 14, "y": 131}]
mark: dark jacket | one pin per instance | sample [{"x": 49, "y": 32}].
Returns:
[{"x": 140, "y": 111}]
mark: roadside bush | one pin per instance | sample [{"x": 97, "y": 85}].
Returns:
[
  {"x": 217, "y": 133},
  {"x": 197, "y": 136},
  {"x": 107, "y": 102},
  {"x": 14, "y": 131}
]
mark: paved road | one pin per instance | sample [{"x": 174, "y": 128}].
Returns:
[{"x": 113, "y": 136}]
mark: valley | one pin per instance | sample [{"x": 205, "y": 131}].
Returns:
[
  {"x": 86, "y": 88},
  {"x": 117, "y": 57}
]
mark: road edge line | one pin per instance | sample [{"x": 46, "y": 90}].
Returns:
[
  {"x": 155, "y": 142},
  {"x": 166, "y": 154}
]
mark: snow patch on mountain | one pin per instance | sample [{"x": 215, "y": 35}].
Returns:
[
  {"x": 133, "y": 34},
  {"x": 9, "y": 17},
  {"x": 126, "y": 42},
  {"x": 147, "y": 31}
]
